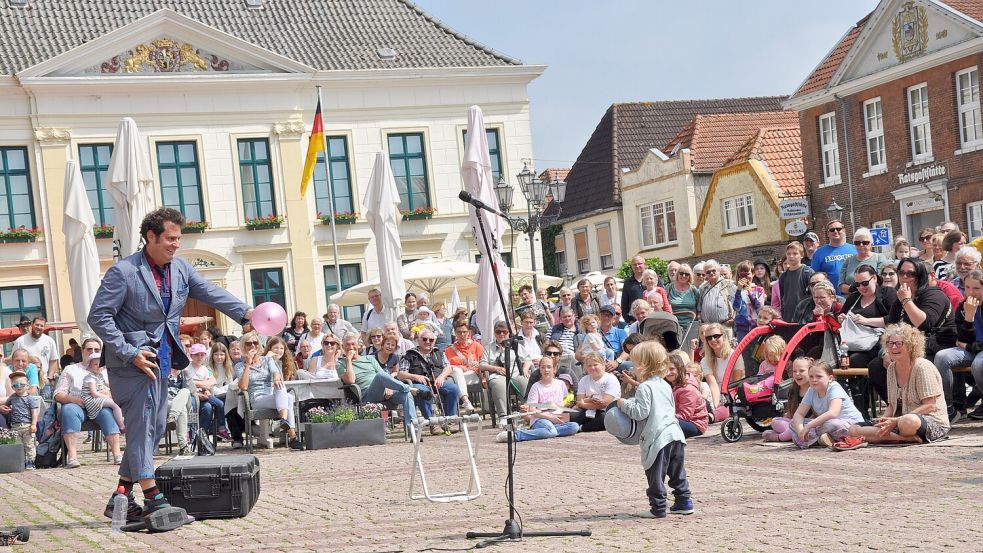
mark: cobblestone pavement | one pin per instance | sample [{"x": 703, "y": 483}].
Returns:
[{"x": 748, "y": 497}]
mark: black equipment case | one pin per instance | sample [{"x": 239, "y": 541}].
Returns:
[{"x": 220, "y": 486}]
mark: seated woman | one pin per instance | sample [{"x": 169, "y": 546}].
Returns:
[
  {"x": 969, "y": 342},
  {"x": 375, "y": 341},
  {"x": 716, "y": 353},
  {"x": 493, "y": 365},
  {"x": 595, "y": 391},
  {"x": 924, "y": 307},
  {"x": 691, "y": 410},
  {"x": 824, "y": 301},
  {"x": 326, "y": 364},
  {"x": 867, "y": 307},
  {"x": 640, "y": 309},
  {"x": 387, "y": 356},
  {"x": 543, "y": 425},
  {"x": 916, "y": 411},
  {"x": 261, "y": 378},
  {"x": 834, "y": 410}
]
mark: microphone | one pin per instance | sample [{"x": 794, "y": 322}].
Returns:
[{"x": 466, "y": 196}]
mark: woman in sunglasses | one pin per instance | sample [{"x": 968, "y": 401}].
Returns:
[
  {"x": 716, "y": 353},
  {"x": 923, "y": 307},
  {"x": 867, "y": 307},
  {"x": 925, "y": 243},
  {"x": 260, "y": 377},
  {"x": 889, "y": 275},
  {"x": 326, "y": 364},
  {"x": 862, "y": 240},
  {"x": 375, "y": 341}
]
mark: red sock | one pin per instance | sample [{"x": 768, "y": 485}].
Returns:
[
  {"x": 126, "y": 485},
  {"x": 151, "y": 492}
]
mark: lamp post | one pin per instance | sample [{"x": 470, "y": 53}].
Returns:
[
  {"x": 535, "y": 191},
  {"x": 834, "y": 212}
]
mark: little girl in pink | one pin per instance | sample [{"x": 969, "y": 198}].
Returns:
[
  {"x": 771, "y": 349},
  {"x": 781, "y": 426}
]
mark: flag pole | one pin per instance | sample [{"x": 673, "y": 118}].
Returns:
[{"x": 327, "y": 177}]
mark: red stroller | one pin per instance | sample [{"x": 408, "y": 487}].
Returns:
[{"x": 759, "y": 405}]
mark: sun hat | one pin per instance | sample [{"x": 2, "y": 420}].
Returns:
[{"x": 621, "y": 426}]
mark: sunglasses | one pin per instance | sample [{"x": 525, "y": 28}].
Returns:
[
  {"x": 888, "y": 273},
  {"x": 924, "y": 238},
  {"x": 908, "y": 274},
  {"x": 553, "y": 353},
  {"x": 700, "y": 274},
  {"x": 715, "y": 336},
  {"x": 375, "y": 337},
  {"x": 687, "y": 275},
  {"x": 428, "y": 340},
  {"x": 252, "y": 343},
  {"x": 19, "y": 385},
  {"x": 861, "y": 242},
  {"x": 835, "y": 229},
  {"x": 865, "y": 282},
  {"x": 330, "y": 343}
]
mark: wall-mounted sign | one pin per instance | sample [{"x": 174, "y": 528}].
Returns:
[
  {"x": 922, "y": 174},
  {"x": 796, "y": 228},
  {"x": 881, "y": 235},
  {"x": 793, "y": 208}
]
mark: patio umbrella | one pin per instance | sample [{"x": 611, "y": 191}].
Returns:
[
  {"x": 476, "y": 172},
  {"x": 455, "y": 301},
  {"x": 80, "y": 245},
  {"x": 438, "y": 277},
  {"x": 130, "y": 180},
  {"x": 381, "y": 208}
]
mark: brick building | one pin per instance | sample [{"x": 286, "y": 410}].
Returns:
[{"x": 890, "y": 119}]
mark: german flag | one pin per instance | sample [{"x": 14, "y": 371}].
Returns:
[{"x": 313, "y": 147}]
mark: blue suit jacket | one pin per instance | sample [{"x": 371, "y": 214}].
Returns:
[{"x": 128, "y": 313}]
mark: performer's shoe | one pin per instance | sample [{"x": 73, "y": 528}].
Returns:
[{"x": 133, "y": 511}]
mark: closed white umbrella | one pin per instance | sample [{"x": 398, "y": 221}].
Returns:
[
  {"x": 476, "y": 172},
  {"x": 80, "y": 244},
  {"x": 381, "y": 208},
  {"x": 130, "y": 180},
  {"x": 455, "y": 301}
]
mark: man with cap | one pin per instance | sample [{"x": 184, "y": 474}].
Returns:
[
  {"x": 613, "y": 336},
  {"x": 811, "y": 243}
]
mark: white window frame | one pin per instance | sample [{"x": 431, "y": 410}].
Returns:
[
  {"x": 887, "y": 250},
  {"x": 667, "y": 208},
  {"x": 735, "y": 205},
  {"x": 969, "y": 139},
  {"x": 583, "y": 263},
  {"x": 829, "y": 149},
  {"x": 974, "y": 220},
  {"x": 920, "y": 123},
  {"x": 874, "y": 129}
]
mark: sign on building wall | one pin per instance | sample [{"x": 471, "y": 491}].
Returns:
[
  {"x": 923, "y": 174},
  {"x": 796, "y": 228},
  {"x": 793, "y": 208},
  {"x": 882, "y": 236}
]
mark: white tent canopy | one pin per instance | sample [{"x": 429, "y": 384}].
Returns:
[{"x": 438, "y": 277}]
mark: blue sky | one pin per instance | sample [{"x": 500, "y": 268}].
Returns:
[{"x": 602, "y": 52}]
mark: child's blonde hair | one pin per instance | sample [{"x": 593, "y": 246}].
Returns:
[
  {"x": 588, "y": 318},
  {"x": 774, "y": 345},
  {"x": 650, "y": 359},
  {"x": 695, "y": 370},
  {"x": 770, "y": 311},
  {"x": 593, "y": 359}
]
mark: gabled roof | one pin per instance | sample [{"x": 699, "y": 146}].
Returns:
[
  {"x": 780, "y": 150},
  {"x": 324, "y": 34},
  {"x": 623, "y": 136},
  {"x": 554, "y": 173},
  {"x": 713, "y": 139},
  {"x": 820, "y": 77}
]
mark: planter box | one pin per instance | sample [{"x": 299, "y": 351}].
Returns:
[
  {"x": 192, "y": 230},
  {"x": 20, "y": 239},
  {"x": 418, "y": 216},
  {"x": 264, "y": 226},
  {"x": 338, "y": 222},
  {"x": 11, "y": 458},
  {"x": 326, "y": 435},
  {"x": 103, "y": 236}
]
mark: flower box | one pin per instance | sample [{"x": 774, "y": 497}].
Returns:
[
  {"x": 263, "y": 226},
  {"x": 262, "y": 223},
  {"x": 194, "y": 227},
  {"x": 15, "y": 239},
  {"x": 20, "y": 234},
  {"x": 340, "y": 218},
  {"x": 417, "y": 216},
  {"x": 327, "y": 435},
  {"x": 103, "y": 231},
  {"x": 11, "y": 458}
]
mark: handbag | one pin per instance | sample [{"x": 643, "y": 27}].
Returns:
[
  {"x": 859, "y": 337},
  {"x": 203, "y": 445}
]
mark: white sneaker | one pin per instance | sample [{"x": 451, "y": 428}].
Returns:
[
  {"x": 466, "y": 406},
  {"x": 502, "y": 437},
  {"x": 72, "y": 464}
]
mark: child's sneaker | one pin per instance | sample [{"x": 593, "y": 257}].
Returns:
[
  {"x": 682, "y": 507},
  {"x": 826, "y": 440},
  {"x": 651, "y": 514},
  {"x": 29, "y": 465}
]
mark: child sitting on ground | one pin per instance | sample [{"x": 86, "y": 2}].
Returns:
[
  {"x": 833, "y": 407},
  {"x": 95, "y": 392},
  {"x": 691, "y": 408},
  {"x": 663, "y": 445},
  {"x": 548, "y": 424},
  {"x": 780, "y": 426},
  {"x": 23, "y": 417}
]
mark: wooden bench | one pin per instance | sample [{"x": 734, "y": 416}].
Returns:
[{"x": 861, "y": 372}]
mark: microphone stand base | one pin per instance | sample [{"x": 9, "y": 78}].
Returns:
[{"x": 513, "y": 531}]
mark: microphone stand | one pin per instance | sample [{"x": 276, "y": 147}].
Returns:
[{"x": 513, "y": 530}]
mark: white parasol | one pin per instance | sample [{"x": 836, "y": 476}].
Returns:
[
  {"x": 80, "y": 245},
  {"x": 381, "y": 208},
  {"x": 130, "y": 180}
]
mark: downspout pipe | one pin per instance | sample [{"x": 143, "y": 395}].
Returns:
[{"x": 849, "y": 164}]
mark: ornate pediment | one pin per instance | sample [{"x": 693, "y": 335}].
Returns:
[
  {"x": 901, "y": 31},
  {"x": 166, "y": 55}
]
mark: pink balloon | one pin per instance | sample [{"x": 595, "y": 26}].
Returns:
[{"x": 269, "y": 319}]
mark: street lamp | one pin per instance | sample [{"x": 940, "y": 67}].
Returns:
[
  {"x": 834, "y": 212},
  {"x": 535, "y": 191}
]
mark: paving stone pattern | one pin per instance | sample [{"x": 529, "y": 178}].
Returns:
[{"x": 748, "y": 497}]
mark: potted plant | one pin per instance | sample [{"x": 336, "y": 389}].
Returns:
[
  {"x": 194, "y": 227},
  {"x": 340, "y": 218},
  {"x": 268, "y": 222},
  {"x": 11, "y": 452},
  {"x": 103, "y": 231},
  {"x": 418, "y": 213},
  {"x": 344, "y": 426},
  {"x": 20, "y": 234}
]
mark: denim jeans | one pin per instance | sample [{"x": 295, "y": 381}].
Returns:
[
  {"x": 955, "y": 358},
  {"x": 542, "y": 429},
  {"x": 207, "y": 411},
  {"x": 72, "y": 416},
  {"x": 401, "y": 394},
  {"x": 449, "y": 394}
]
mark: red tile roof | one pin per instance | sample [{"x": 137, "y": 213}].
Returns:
[
  {"x": 623, "y": 136},
  {"x": 554, "y": 173},
  {"x": 780, "y": 149},
  {"x": 713, "y": 139},
  {"x": 821, "y": 75}
]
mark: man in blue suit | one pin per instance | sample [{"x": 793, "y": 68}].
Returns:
[{"x": 136, "y": 313}]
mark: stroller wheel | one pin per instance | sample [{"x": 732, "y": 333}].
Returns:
[{"x": 731, "y": 430}]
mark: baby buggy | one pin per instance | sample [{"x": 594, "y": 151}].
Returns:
[
  {"x": 664, "y": 327},
  {"x": 757, "y": 404}
]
